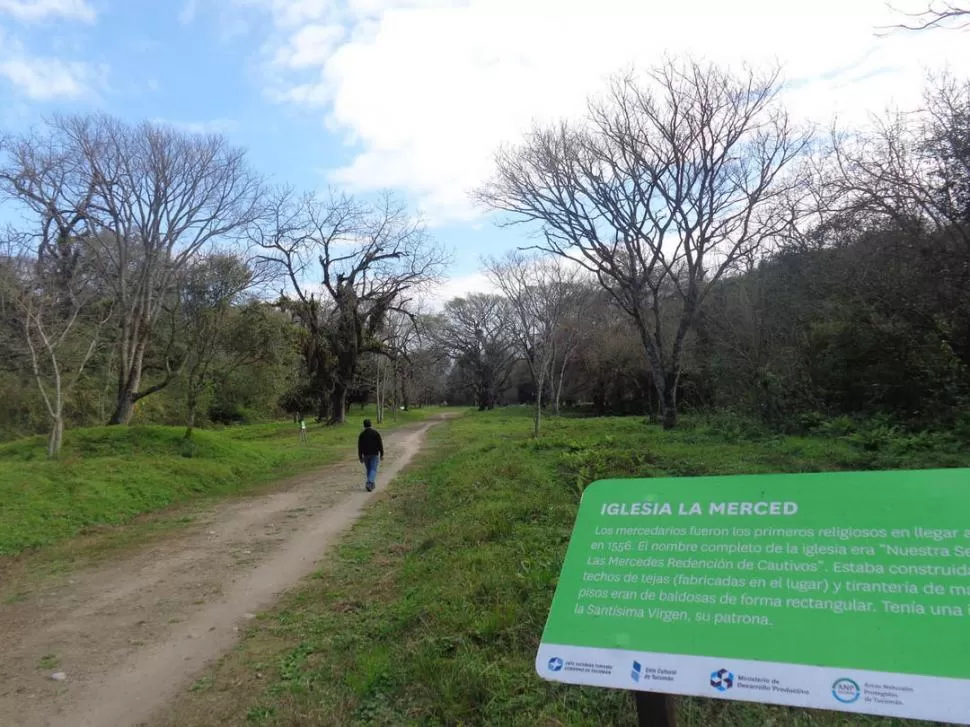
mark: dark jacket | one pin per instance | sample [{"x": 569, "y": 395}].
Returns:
[{"x": 369, "y": 443}]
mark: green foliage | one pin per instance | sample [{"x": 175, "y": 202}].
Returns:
[
  {"x": 431, "y": 610},
  {"x": 230, "y": 412},
  {"x": 884, "y": 444},
  {"x": 871, "y": 321},
  {"x": 961, "y": 427},
  {"x": 22, "y": 410},
  {"x": 735, "y": 427}
]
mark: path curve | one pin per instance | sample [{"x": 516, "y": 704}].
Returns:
[{"x": 130, "y": 634}]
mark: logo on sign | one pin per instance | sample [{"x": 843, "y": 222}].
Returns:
[
  {"x": 555, "y": 664},
  {"x": 722, "y": 680},
  {"x": 845, "y": 690},
  {"x": 637, "y": 671}
]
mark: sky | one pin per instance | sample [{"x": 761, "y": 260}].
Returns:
[{"x": 415, "y": 95}]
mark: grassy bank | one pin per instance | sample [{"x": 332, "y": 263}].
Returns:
[
  {"x": 106, "y": 476},
  {"x": 431, "y": 611}
]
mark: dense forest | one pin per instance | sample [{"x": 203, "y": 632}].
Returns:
[{"x": 689, "y": 248}]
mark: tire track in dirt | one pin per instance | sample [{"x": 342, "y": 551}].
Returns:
[{"x": 131, "y": 633}]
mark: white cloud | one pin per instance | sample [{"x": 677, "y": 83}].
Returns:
[
  {"x": 456, "y": 287},
  {"x": 46, "y": 79},
  {"x": 427, "y": 89},
  {"x": 190, "y": 9},
  {"x": 292, "y": 13},
  {"x": 31, "y": 11},
  {"x": 212, "y": 126},
  {"x": 310, "y": 46}
]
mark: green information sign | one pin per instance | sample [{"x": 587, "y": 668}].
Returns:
[{"x": 846, "y": 591}]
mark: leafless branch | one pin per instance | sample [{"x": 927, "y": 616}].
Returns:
[{"x": 936, "y": 15}]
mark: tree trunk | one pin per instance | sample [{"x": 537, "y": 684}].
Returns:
[
  {"x": 394, "y": 392},
  {"x": 323, "y": 408},
  {"x": 129, "y": 379},
  {"x": 557, "y": 397},
  {"x": 190, "y": 420},
  {"x": 379, "y": 395},
  {"x": 56, "y": 437},
  {"x": 668, "y": 399},
  {"x": 129, "y": 384},
  {"x": 481, "y": 393},
  {"x": 538, "y": 416},
  {"x": 486, "y": 402},
  {"x": 405, "y": 390},
  {"x": 191, "y": 402},
  {"x": 338, "y": 403},
  {"x": 665, "y": 374},
  {"x": 125, "y": 407},
  {"x": 599, "y": 399}
]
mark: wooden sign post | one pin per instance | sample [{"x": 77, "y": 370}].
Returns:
[{"x": 655, "y": 710}]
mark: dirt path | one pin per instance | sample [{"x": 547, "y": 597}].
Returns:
[{"x": 130, "y": 634}]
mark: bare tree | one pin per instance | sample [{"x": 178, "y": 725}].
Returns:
[
  {"x": 49, "y": 279},
  {"x": 211, "y": 291},
  {"x": 371, "y": 258},
  {"x": 938, "y": 15},
  {"x": 538, "y": 290},
  {"x": 405, "y": 336},
  {"x": 60, "y": 320},
  {"x": 53, "y": 187},
  {"x": 384, "y": 370},
  {"x": 477, "y": 331},
  {"x": 427, "y": 363},
  {"x": 665, "y": 188},
  {"x": 947, "y": 139},
  {"x": 573, "y": 332},
  {"x": 57, "y": 357},
  {"x": 912, "y": 168},
  {"x": 158, "y": 198}
]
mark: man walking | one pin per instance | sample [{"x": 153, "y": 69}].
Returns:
[{"x": 370, "y": 451}]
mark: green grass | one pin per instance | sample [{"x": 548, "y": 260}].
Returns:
[
  {"x": 107, "y": 476},
  {"x": 48, "y": 662},
  {"x": 431, "y": 610}
]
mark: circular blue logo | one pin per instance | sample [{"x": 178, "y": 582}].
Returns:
[
  {"x": 845, "y": 690},
  {"x": 555, "y": 664}
]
